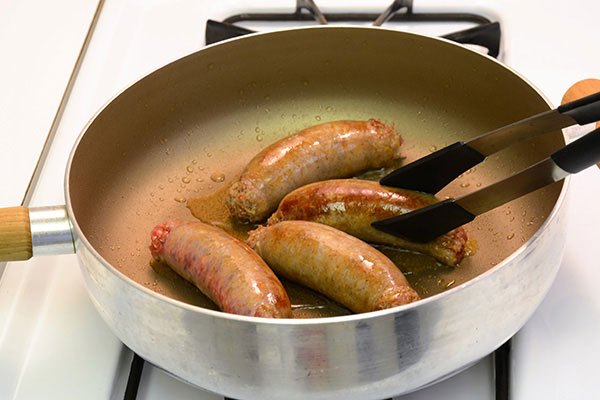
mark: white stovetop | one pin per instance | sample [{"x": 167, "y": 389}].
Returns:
[{"x": 53, "y": 345}]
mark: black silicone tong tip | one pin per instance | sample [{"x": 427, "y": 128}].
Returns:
[
  {"x": 427, "y": 223},
  {"x": 433, "y": 172}
]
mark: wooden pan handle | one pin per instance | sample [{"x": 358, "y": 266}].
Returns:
[
  {"x": 27, "y": 232},
  {"x": 581, "y": 89},
  {"x": 15, "y": 234}
]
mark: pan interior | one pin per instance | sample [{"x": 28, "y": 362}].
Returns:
[{"x": 189, "y": 128}]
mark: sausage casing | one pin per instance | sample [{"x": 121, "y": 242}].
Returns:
[
  {"x": 224, "y": 268},
  {"x": 351, "y": 205},
  {"x": 333, "y": 263},
  {"x": 331, "y": 150}
]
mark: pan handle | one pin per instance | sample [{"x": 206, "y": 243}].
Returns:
[{"x": 27, "y": 232}]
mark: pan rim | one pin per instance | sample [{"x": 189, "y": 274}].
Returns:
[{"x": 301, "y": 321}]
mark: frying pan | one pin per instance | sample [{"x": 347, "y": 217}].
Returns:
[{"x": 187, "y": 129}]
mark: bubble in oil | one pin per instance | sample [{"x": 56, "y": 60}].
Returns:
[
  {"x": 179, "y": 199},
  {"x": 185, "y": 179},
  {"x": 210, "y": 66},
  {"x": 318, "y": 117},
  {"x": 305, "y": 83},
  {"x": 257, "y": 129},
  {"x": 465, "y": 184},
  {"x": 432, "y": 148},
  {"x": 190, "y": 169},
  {"x": 259, "y": 138},
  {"x": 194, "y": 162},
  {"x": 217, "y": 177},
  {"x": 329, "y": 109}
]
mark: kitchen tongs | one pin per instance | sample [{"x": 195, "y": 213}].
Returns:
[{"x": 433, "y": 172}]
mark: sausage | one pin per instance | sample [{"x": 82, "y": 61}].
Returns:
[
  {"x": 351, "y": 205},
  {"x": 338, "y": 265},
  {"x": 224, "y": 268},
  {"x": 332, "y": 150}
]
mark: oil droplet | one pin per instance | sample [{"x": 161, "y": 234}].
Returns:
[
  {"x": 512, "y": 219},
  {"x": 507, "y": 212},
  {"x": 179, "y": 199},
  {"x": 510, "y": 236},
  {"x": 267, "y": 97},
  {"x": 170, "y": 180},
  {"x": 182, "y": 185},
  {"x": 161, "y": 198},
  {"x": 161, "y": 186},
  {"x": 465, "y": 184},
  {"x": 329, "y": 108},
  {"x": 294, "y": 116},
  {"x": 217, "y": 177},
  {"x": 199, "y": 180},
  {"x": 318, "y": 117},
  {"x": 447, "y": 285},
  {"x": 305, "y": 83},
  {"x": 433, "y": 148},
  {"x": 112, "y": 248},
  {"x": 190, "y": 169},
  {"x": 151, "y": 194},
  {"x": 194, "y": 162},
  {"x": 168, "y": 152},
  {"x": 478, "y": 185},
  {"x": 257, "y": 129},
  {"x": 211, "y": 66},
  {"x": 267, "y": 110},
  {"x": 190, "y": 134},
  {"x": 185, "y": 179},
  {"x": 259, "y": 138}
]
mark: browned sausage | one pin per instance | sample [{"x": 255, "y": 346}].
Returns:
[
  {"x": 225, "y": 269},
  {"x": 333, "y": 263},
  {"x": 331, "y": 150},
  {"x": 351, "y": 205}
]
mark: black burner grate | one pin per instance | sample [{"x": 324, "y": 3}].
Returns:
[{"x": 486, "y": 34}]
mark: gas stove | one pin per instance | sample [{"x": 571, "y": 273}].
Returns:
[{"x": 53, "y": 343}]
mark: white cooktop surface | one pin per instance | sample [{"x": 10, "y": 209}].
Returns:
[{"x": 53, "y": 345}]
